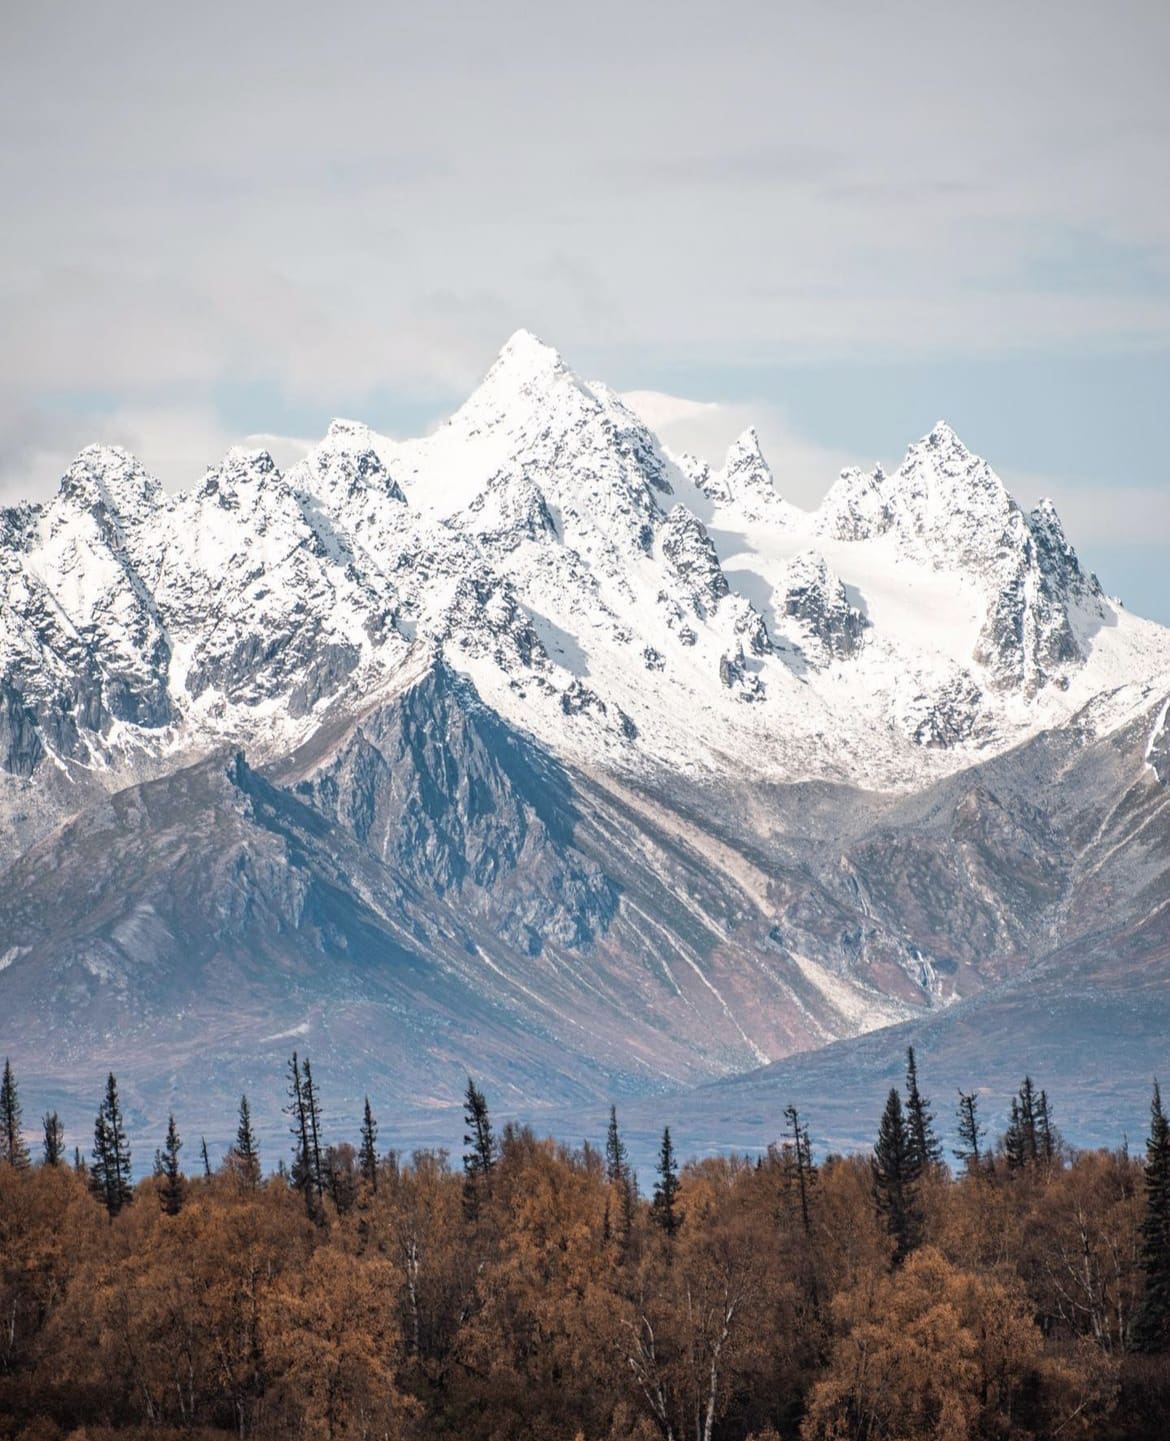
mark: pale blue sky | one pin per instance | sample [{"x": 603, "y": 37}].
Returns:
[{"x": 847, "y": 220}]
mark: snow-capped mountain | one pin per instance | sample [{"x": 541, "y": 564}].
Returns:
[
  {"x": 751, "y": 715},
  {"x": 618, "y": 605}
]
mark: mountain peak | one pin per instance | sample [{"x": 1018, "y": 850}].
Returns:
[
  {"x": 746, "y": 480},
  {"x": 943, "y": 437},
  {"x": 525, "y": 359},
  {"x": 240, "y": 467},
  {"x": 110, "y": 475},
  {"x": 244, "y": 462},
  {"x": 745, "y": 446},
  {"x": 347, "y": 432}
]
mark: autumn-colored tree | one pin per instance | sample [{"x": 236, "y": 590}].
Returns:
[
  {"x": 341, "y": 1171},
  {"x": 331, "y": 1340},
  {"x": 416, "y": 1219},
  {"x": 385, "y": 1313},
  {"x": 929, "y": 1353},
  {"x": 48, "y": 1225},
  {"x": 1077, "y": 1250},
  {"x": 533, "y": 1347},
  {"x": 693, "y": 1327}
]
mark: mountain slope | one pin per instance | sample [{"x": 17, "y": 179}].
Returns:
[{"x": 566, "y": 758}]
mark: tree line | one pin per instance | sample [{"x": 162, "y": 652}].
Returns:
[{"x": 534, "y": 1292}]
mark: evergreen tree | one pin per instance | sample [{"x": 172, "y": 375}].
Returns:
[
  {"x": 12, "y": 1143},
  {"x": 110, "y": 1172},
  {"x": 479, "y": 1161},
  {"x": 247, "y": 1154},
  {"x": 971, "y": 1133},
  {"x": 664, "y": 1208},
  {"x": 896, "y": 1172},
  {"x": 368, "y": 1155},
  {"x": 804, "y": 1170},
  {"x": 627, "y": 1200},
  {"x": 1027, "y": 1113},
  {"x": 306, "y": 1168},
  {"x": 1047, "y": 1139},
  {"x": 924, "y": 1144},
  {"x": 206, "y": 1158},
  {"x": 619, "y": 1173},
  {"x": 54, "y": 1142},
  {"x": 616, "y": 1162},
  {"x": 1030, "y": 1136},
  {"x": 313, "y": 1117},
  {"x": 1013, "y": 1139},
  {"x": 1151, "y": 1327},
  {"x": 174, "y": 1187}
]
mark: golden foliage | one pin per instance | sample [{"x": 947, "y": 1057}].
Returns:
[{"x": 403, "y": 1317}]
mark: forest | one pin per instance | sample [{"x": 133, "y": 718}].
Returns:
[{"x": 1015, "y": 1288}]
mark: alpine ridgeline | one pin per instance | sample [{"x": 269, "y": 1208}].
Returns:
[{"x": 531, "y": 745}]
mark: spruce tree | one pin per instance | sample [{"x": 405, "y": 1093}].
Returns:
[
  {"x": 1047, "y": 1139},
  {"x": 306, "y": 1168},
  {"x": 110, "y": 1172},
  {"x": 804, "y": 1170},
  {"x": 205, "y": 1157},
  {"x": 174, "y": 1187},
  {"x": 1013, "y": 1139},
  {"x": 53, "y": 1148},
  {"x": 925, "y": 1150},
  {"x": 615, "y": 1150},
  {"x": 1027, "y": 1117},
  {"x": 896, "y": 1173},
  {"x": 619, "y": 1173},
  {"x": 1030, "y": 1136},
  {"x": 12, "y": 1143},
  {"x": 247, "y": 1154},
  {"x": 1151, "y": 1327},
  {"x": 368, "y": 1155},
  {"x": 971, "y": 1133},
  {"x": 627, "y": 1200},
  {"x": 479, "y": 1161},
  {"x": 313, "y": 1117},
  {"x": 664, "y": 1207}
]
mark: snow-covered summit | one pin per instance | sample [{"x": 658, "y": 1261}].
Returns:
[
  {"x": 109, "y": 477},
  {"x": 525, "y": 365},
  {"x": 946, "y": 506}
]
